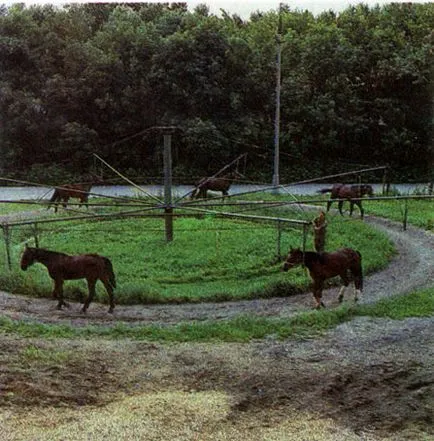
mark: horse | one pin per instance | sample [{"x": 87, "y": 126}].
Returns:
[
  {"x": 221, "y": 183},
  {"x": 352, "y": 193},
  {"x": 61, "y": 267},
  {"x": 78, "y": 191},
  {"x": 344, "y": 262}
]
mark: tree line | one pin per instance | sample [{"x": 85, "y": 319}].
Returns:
[{"x": 356, "y": 90}]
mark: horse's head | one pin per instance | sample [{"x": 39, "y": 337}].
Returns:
[
  {"x": 294, "y": 258},
  {"x": 28, "y": 257},
  {"x": 368, "y": 190}
]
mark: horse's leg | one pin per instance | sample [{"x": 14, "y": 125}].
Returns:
[
  {"x": 351, "y": 207},
  {"x": 359, "y": 204},
  {"x": 329, "y": 204},
  {"x": 109, "y": 290},
  {"x": 340, "y": 205},
  {"x": 91, "y": 285},
  {"x": 358, "y": 283},
  {"x": 346, "y": 282},
  {"x": 58, "y": 293},
  {"x": 341, "y": 293},
  {"x": 65, "y": 201},
  {"x": 56, "y": 204},
  {"x": 317, "y": 293}
]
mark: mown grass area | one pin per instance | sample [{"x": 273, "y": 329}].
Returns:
[
  {"x": 240, "y": 329},
  {"x": 420, "y": 212},
  {"x": 210, "y": 258},
  {"x": 15, "y": 207}
]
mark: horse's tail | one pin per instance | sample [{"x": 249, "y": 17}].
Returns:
[
  {"x": 109, "y": 268},
  {"x": 325, "y": 190}
]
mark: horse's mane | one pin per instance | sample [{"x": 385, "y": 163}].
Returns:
[{"x": 45, "y": 251}]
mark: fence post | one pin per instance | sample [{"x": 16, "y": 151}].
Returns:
[
  {"x": 305, "y": 227},
  {"x": 6, "y": 235},
  {"x": 35, "y": 234},
  {"x": 279, "y": 237}
]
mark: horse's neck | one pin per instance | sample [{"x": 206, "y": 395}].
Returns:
[
  {"x": 310, "y": 257},
  {"x": 46, "y": 257},
  {"x": 228, "y": 178}
]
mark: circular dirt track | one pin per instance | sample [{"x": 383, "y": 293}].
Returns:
[{"x": 366, "y": 380}]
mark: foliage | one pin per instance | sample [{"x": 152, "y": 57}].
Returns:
[{"x": 95, "y": 78}]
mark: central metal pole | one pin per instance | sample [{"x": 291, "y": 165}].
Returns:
[{"x": 168, "y": 209}]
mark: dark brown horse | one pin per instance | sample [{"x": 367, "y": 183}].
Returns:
[
  {"x": 352, "y": 193},
  {"x": 345, "y": 262},
  {"x": 63, "y": 193},
  {"x": 221, "y": 183},
  {"x": 61, "y": 267}
]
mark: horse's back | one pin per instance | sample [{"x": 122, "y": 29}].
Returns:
[{"x": 343, "y": 258}]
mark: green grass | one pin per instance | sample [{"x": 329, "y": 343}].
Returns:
[
  {"x": 240, "y": 329},
  {"x": 420, "y": 212},
  {"x": 7, "y": 208},
  {"x": 210, "y": 259}
]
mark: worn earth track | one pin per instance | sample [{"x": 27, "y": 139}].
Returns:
[{"x": 412, "y": 268}]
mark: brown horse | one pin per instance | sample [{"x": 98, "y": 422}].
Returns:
[
  {"x": 63, "y": 193},
  {"x": 352, "y": 193},
  {"x": 345, "y": 262},
  {"x": 221, "y": 183},
  {"x": 78, "y": 191},
  {"x": 61, "y": 267}
]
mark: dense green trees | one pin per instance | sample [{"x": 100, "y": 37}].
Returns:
[{"x": 356, "y": 89}]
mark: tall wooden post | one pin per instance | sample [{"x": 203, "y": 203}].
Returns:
[
  {"x": 168, "y": 208},
  {"x": 7, "y": 238},
  {"x": 279, "y": 239}
]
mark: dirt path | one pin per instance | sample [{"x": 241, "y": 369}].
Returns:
[{"x": 411, "y": 269}]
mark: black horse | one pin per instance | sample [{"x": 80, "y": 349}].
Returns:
[{"x": 353, "y": 193}]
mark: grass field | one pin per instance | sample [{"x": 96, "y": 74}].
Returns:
[
  {"x": 210, "y": 258},
  {"x": 420, "y": 213}
]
